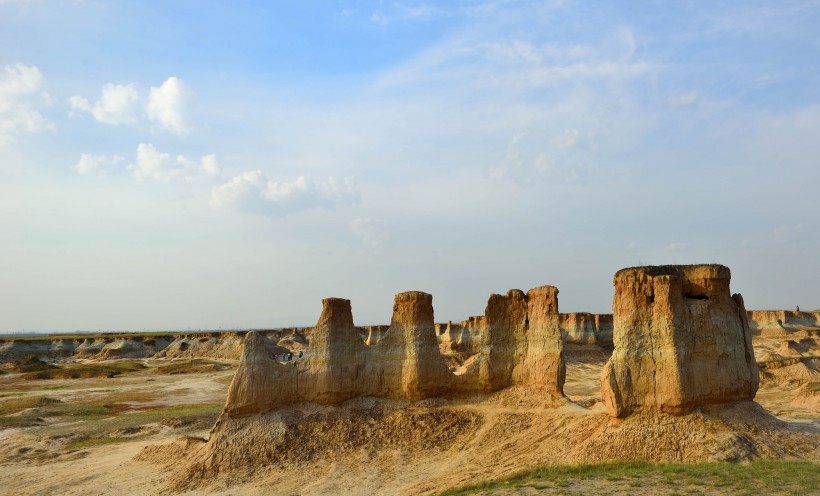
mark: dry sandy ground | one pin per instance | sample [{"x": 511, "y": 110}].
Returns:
[{"x": 110, "y": 468}]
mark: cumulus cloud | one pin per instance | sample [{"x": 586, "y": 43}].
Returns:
[
  {"x": 93, "y": 165},
  {"x": 167, "y": 105},
  {"x": 252, "y": 191},
  {"x": 21, "y": 97},
  {"x": 371, "y": 232},
  {"x": 78, "y": 103},
  {"x": 151, "y": 164},
  {"x": 118, "y": 104},
  {"x": 164, "y": 106}
]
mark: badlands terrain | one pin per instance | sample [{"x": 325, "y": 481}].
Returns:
[{"x": 677, "y": 391}]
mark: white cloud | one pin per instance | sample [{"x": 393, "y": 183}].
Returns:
[
  {"x": 117, "y": 104},
  {"x": 684, "y": 99},
  {"x": 543, "y": 163},
  {"x": 167, "y": 105},
  {"x": 379, "y": 18},
  {"x": 157, "y": 166},
  {"x": 92, "y": 165},
  {"x": 371, "y": 232},
  {"x": 406, "y": 12},
  {"x": 515, "y": 51},
  {"x": 526, "y": 161},
  {"x": 252, "y": 191},
  {"x": 78, "y": 103},
  {"x": 20, "y": 98},
  {"x": 568, "y": 139}
]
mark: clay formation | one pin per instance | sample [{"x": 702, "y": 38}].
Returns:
[
  {"x": 681, "y": 340},
  {"x": 520, "y": 344}
]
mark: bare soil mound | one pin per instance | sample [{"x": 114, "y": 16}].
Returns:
[
  {"x": 161, "y": 453},
  {"x": 29, "y": 364},
  {"x": 808, "y": 396},
  {"x": 799, "y": 370},
  {"x": 805, "y": 346},
  {"x": 379, "y": 445}
]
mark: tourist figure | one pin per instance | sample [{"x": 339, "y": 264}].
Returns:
[
  {"x": 276, "y": 356},
  {"x": 301, "y": 354},
  {"x": 798, "y": 308}
]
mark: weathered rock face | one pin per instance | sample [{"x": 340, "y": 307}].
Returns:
[
  {"x": 503, "y": 345},
  {"x": 520, "y": 345},
  {"x": 521, "y": 342},
  {"x": 603, "y": 329},
  {"x": 471, "y": 331},
  {"x": 373, "y": 334},
  {"x": 586, "y": 328},
  {"x": 405, "y": 363},
  {"x": 578, "y": 328},
  {"x": 681, "y": 340},
  {"x": 544, "y": 363},
  {"x": 260, "y": 383},
  {"x": 132, "y": 348},
  {"x": 411, "y": 347},
  {"x": 776, "y": 322},
  {"x": 336, "y": 356},
  {"x": 226, "y": 345}
]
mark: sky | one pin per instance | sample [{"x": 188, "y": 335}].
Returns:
[{"x": 226, "y": 165}]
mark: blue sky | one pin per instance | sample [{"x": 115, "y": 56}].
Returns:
[{"x": 185, "y": 165}]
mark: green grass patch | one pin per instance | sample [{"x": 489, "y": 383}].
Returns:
[
  {"x": 18, "y": 421},
  {"x": 197, "y": 365},
  {"x": 91, "y": 442},
  {"x": 813, "y": 387},
  {"x": 109, "y": 432},
  {"x": 31, "y": 410},
  {"x": 181, "y": 410},
  {"x": 15, "y": 405},
  {"x": 758, "y": 477},
  {"x": 87, "y": 371}
]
